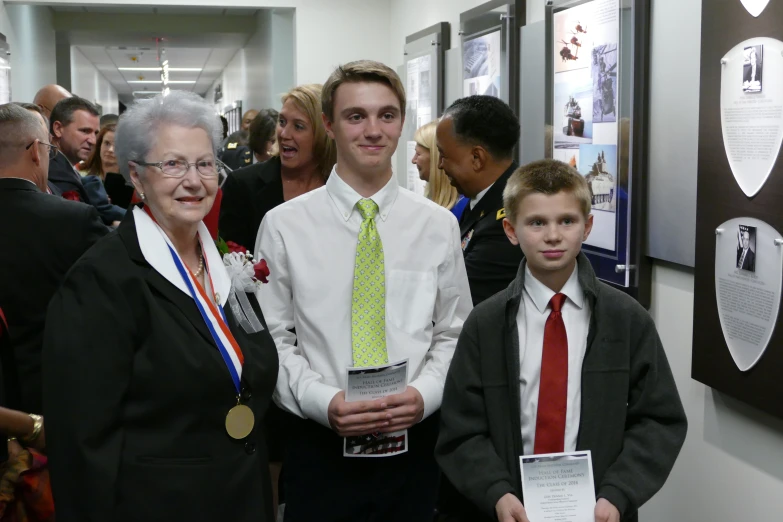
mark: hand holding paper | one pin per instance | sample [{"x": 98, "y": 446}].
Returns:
[
  {"x": 510, "y": 509},
  {"x": 606, "y": 512},
  {"x": 351, "y": 419},
  {"x": 406, "y": 409}
]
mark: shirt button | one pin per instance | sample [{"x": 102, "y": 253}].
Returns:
[{"x": 250, "y": 448}]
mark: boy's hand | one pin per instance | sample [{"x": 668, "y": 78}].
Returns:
[
  {"x": 406, "y": 409},
  {"x": 606, "y": 512},
  {"x": 351, "y": 419},
  {"x": 510, "y": 509}
]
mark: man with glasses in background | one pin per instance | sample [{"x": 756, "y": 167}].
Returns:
[{"x": 42, "y": 237}]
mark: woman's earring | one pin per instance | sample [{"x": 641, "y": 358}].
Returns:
[{"x": 141, "y": 195}]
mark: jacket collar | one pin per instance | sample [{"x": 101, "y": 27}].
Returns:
[
  {"x": 147, "y": 243},
  {"x": 18, "y": 184},
  {"x": 270, "y": 169},
  {"x": 345, "y": 197}
]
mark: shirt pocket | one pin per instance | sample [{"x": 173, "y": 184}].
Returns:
[{"x": 410, "y": 300}]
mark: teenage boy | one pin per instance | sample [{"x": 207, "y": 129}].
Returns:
[
  {"x": 333, "y": 252},
  {"x": 558, "y": 361}
]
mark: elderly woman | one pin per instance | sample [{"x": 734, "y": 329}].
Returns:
[
  {"x": 426, "y": 158},
  {"x": 304, "y": 159},
  {"x": 101, "y": 164},
  {"x": 154, "y": 393}
]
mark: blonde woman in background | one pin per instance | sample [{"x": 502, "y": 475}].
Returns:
[{"x": 426, "y": 159}]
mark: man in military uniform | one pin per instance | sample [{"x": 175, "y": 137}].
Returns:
[
  {"x": 247, "y": 118},
  {"x": 235, "y": 153},
  {"x": 476, "y": 138}
]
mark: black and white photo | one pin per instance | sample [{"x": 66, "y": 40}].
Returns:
[
  {"x": 746, "y": 248},
  {"x": 752, "y": 68}
]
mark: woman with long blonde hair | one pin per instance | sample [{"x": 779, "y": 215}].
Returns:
[{"x": 426, "y": 159}]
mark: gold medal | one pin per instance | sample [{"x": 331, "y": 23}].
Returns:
[{"x": 240, "y": 421}]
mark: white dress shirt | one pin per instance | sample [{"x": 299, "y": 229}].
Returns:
[
  {"x": 310, "y": 242},
  {"x": 474, "y": 201},
  {"x": 531, "y": 320}
]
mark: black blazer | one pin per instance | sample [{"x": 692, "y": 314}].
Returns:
[
  {"x": 64, "y": 178},
  {"x": 248, "y": 194},
  {"x": 490, "y": 258},
  {"x": 136, "y": 395},
  {"x": 42, "y": 236}
]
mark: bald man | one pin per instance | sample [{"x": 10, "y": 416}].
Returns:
[
  {"x": 247, "y": 118},
  {"x": 48, "y": 96},
  {"x": 52, "y": 234}
]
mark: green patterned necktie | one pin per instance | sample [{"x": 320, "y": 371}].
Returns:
[{"x": 368, "y": 310}]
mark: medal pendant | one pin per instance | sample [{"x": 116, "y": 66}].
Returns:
[{"x": 240, "y": 421}]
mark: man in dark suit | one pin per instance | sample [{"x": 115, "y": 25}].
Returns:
[
  {"x": 476, "y": 139},
  {"x": 48, "y": 235},
  {"x": 746, "y": 258},
  {"x": 74, "y": 128}
]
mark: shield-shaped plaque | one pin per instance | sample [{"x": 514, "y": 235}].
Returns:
[
  {"x": 755, "y": 7},
  {"x": 748, "y": 277},
  {"x": 751, "y": 110}
]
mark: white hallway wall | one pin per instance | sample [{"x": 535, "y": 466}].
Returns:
[
  {"x": 731, "y": 467},
  {"x": 30, "y": 34},
  {"x": 90, "y": 84}
]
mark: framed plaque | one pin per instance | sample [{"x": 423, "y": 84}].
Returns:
[
  {"x": 739, "y": 246},
  {"x": 597, "y": 101},
  {"x": 423, "y": 72}
]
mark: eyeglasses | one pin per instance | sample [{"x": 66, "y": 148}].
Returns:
[
  {"x": 178, "y": 168},
  {"x": 52, "y": 148}
]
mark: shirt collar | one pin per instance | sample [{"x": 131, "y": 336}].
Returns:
[
  {"x": 154, "y": 248},
  {"x": 474, "y": 201},
  {"x": 542, "y": 294},
  {"x": 345, "y": 197}
]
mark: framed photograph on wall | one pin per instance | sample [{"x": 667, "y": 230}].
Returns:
[
  {"x": 422, "y": 73},
  {"x": 490, "y": 50},
  {"x": 597, "y": 89}
]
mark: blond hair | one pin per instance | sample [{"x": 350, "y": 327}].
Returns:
[
  {"x": 356, "y": 72},
  {"x": 439, "y": 189},
  {"x": 545, "y": 177},
  {"x": 307, "y": 99}
]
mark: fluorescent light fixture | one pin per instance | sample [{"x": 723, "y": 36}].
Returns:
[
  {"x": 161, "y": 81},
  {"x": 145, "y": 92},
  {"x": 171, "y": 69}
]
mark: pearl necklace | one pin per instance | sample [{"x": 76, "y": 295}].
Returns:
[{"x": 200, "y": 266}]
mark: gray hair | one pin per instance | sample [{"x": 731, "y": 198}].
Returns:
[
  {"x": 139, "y": 125},
  {"x": 18, "y": 127}
]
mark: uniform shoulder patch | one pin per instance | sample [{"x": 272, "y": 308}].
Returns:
[
  {"x": 232, "y": 146},
  {"x": 501, "y": 214}
]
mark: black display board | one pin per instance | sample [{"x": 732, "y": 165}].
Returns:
[{"x": 726, "y": 23}]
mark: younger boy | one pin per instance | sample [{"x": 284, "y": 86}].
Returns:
[{"x": 558, "y": 361}]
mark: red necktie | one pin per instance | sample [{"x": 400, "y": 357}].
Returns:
[{"x": 553, "y": 389}]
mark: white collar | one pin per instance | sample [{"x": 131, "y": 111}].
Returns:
[
  {"x": 474, "y": 201},
  {"x": 154, "y": 248},
  {"x": 345, "y": 197},
  {"x": 542, "y": 294}
]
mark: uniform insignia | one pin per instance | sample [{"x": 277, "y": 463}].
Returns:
[
  {"x": 247, "y": 160},
  {"x": 481, "y": 215},
  {"x": 466, "y": 240},
  {"x": 501, "y": 214},
  {"x": 232, "y": 146}
]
